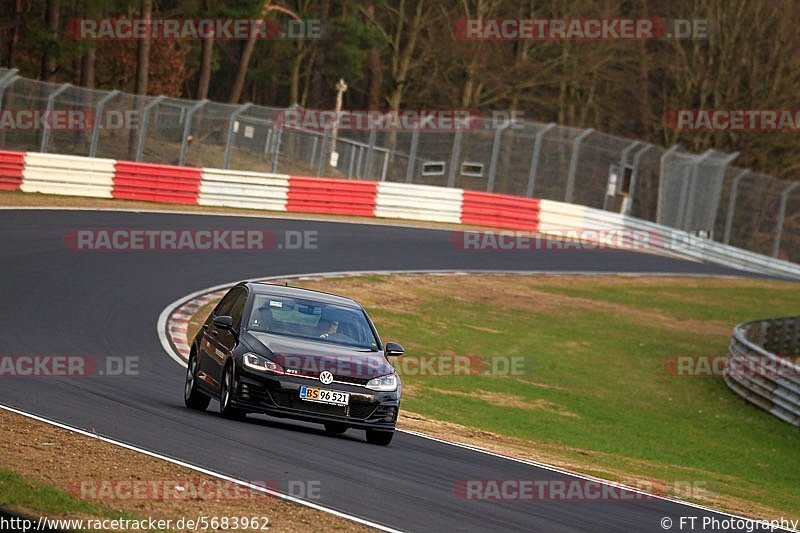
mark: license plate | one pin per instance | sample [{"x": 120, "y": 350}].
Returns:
[{"x": 313, "y": 394}]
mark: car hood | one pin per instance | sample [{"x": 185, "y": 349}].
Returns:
[{"x": 310, "y": 358}]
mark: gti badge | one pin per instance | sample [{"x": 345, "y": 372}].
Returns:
[{"x": 326, "y": 377}]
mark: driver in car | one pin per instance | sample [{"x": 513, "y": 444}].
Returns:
[{"x": 332, "y": 329}]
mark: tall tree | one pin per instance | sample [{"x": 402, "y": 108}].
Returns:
[{"x": 49, "y": 58}]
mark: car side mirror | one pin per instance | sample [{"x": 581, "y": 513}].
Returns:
[
  {"x": 223, "y": 322},
  {"x": 394, "y": 350}
]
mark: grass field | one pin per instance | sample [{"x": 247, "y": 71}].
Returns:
[{"x": 595, "y": 391}]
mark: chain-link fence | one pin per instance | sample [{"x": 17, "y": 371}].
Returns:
[{"x": 699, "y": 193}]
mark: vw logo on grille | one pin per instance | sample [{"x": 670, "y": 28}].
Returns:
[{"x": 326, "y": 377}]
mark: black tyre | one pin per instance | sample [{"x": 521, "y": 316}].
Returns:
[
  {"x": 226, "y": 390},
  {"x": 381, "y": 438},
  {"x": 192, "y": 397},
  {"x": 335, "y": 428}
]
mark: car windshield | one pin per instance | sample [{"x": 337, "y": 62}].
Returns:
[{"x": 312, "y": 320}]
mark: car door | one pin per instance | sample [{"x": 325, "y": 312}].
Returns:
[
  {"x": 208, "y": 351},
  {"x": 226, "y": 340}
]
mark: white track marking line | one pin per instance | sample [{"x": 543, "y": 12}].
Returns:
[
  {"x": 165, "y": 343},
  {"x": 201, "y": 470}
]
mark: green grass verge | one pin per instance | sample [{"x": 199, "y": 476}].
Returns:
[
  {"x": 594, "y": 373},
  {"x": 20, "y": 494}
]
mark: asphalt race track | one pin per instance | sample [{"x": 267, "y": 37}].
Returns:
[{"x": 101, "y": 304}]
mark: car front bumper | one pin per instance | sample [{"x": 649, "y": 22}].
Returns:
[{"x": 279, "y": 395}]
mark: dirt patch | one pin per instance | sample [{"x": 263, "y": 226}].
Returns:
[
  {"x": 508, "y": 400},
  {"x": 63, "y": 459}
]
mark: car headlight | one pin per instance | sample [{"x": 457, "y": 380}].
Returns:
[
  {"x": 261, "y": 364},
  {"x": 385, "y": 383}
]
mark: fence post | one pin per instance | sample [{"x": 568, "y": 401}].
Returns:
[
  {"x": 187, "y": 129},
  {"x": 661, "y": 166},
  {"x": 635, "y": 175},
  {"x": 229, "y": 139},
  {"x": 732, "y": 205},
  {"x": 276, "y": 152},
  {"x": 51, "y": 102},
  {"x": 688, "y": 189},
  {"x": 495, "y": 154},
  {"x": 716, "y": 201},
  {"x": 455, "y": 155},
  {"x": 537, "y": 149},
  {"x": 323, "y": 153},
  {"x": 370, "y": 153},
  {"x": 412, "y": 155},
  {"x": 776, "y": 246},
  {"x": 7, "y": 81},
  {"x": 98, "y": 112},
  {"x": 144, "y": 123},
  {"x": 573, "y": 164}
]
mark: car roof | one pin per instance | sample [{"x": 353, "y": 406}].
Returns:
[{"x": 259, "y": 287}]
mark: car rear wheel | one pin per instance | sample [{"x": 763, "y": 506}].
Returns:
[
  {"x": 381, "y": 438},
  {"x": 192, "y": 397},
  {"x": 335, "y": 428},
  {"x": 226, "y": 408}
]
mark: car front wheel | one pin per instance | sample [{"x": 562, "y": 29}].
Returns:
[
  {"x": 226, "y": 391},
  {"x": 192, "y": 397}
]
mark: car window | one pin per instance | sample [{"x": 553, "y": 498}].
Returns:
[
  {"x": 311, "y": 319},
  {"x": 224, "y": 307},
  {"x": 237, "y": 309}
]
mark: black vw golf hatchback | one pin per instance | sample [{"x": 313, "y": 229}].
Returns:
[{"x": 295, "y": 353}]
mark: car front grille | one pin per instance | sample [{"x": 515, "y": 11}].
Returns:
[{"x": 357, "y": 409}]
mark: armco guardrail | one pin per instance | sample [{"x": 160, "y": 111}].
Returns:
[
  {"x": 756, "y": 372},
  {"x": 107, "y": 178}
]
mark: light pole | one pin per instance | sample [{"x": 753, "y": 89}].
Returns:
[{"x": 341, "y": 87}]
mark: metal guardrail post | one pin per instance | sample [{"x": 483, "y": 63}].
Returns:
[
  {"x": 51, "y": 102},
  {"x": 455, "y": 155},
  {"x": 635, "y": 176},
  {"x": 573, "y": 164},
  {"x": 144, "y": 123},
  {"x": 661, "y": 166},
  {"x": 229, "y": 139},
  {"x": 98, "y": 112},
  {"x": 623, "y": 162},
  {"x": 495, "y": 154},
  {"x": 732, "y": 205},
  {"x": 537, "y": 150},
  {"x": 412, "y": 155},
  {"x": 776, "y": 245},
  {"x": 187, "y": 130}
]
